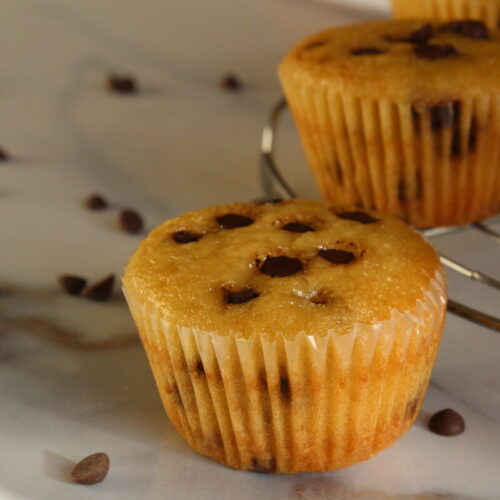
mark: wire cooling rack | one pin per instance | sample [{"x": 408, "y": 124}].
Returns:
[{"x": 274, "y": 185}]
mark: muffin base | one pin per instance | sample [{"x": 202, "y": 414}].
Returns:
[{"x": 487, "y": 11}]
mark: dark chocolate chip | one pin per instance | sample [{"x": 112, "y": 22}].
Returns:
[
  {"x": 422, "y": 34},
  {"x": 471, "y": 29},
  {"x": 72, "y": 285},
  {"x": 96, "y": 202},
  {"x": 366, "y": 51},
  {"x": 264, "y": 466},
  {"x": 231, "y": 82},
  {"x": 447, "y": 423},
  {"x": 281, "y": 266},
  {"x": 240, "y": 297},
  {"x": 432, "y": 51},
  {"x": 285, "y": 389},
  {"x": 337, "y": 256},
  {"x": 131, "y": 221},
  {"x": 358, "y": 217},
  {"x": 184, "y": 237},
  {"x": 102, "y": 290},
  {"x": 231, "y": 221},
  {"x": 313, "y": 45},
  {"x": 4, "y": 156},
  {"x": 456, "y": 143},
  {"x": 297, "y": 227},
  {"x": 122, "y": 84},
  {"x": 471, "y": 143},
  {"x": 445, "y": 114},
  {"x": 200, "y": 369},
  {"x": 91, "y": 470}
]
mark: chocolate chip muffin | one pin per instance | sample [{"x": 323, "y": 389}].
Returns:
[
  {"x": 288, "y": 337},
  {"x": 402, "y": 116},
  {"x": 487, "y": 11}
]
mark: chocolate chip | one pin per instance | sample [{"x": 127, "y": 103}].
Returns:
[
  {"x": 447, "y": 423},
  {"x": 131, "y": 221},
  {"x": 231, "y": 82},
  {"x": 72, "y": 285},
  {"x": 122, "y": 84},
  {"x": 239, "y": 297},
  {"x": 95, "y": 202},
  {"x": 265, "y": 466},
  {"x": 281, "y": 266},
  {"x": 422, "y": 34},
  {"x": 471, "y": 143},
  {"x": 91, "y": 470},
  {"x": 365, "y": 51},
  {"x": 432, "y": 51},
  {"x": 4, "y": 156},
  {"x": 471, "y": 29},
  {"x": 315, "y": 44},
  {"x": 445, "y": 114},
  {"x": 337, "y": 256},
  {"x": 231, "y": 221},
  {"x": 184, "y": 237},
  {"x": 285, "y": 389},
  {"x": 297, "y": 227},
  {"x": 200, "y": 369},
  {"x": 358, "y": 217},
  {"x": 102, "y": 290}
]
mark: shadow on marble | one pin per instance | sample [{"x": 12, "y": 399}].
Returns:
[{"x": 57, "y": 467}]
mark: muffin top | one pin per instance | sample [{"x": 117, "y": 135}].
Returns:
[
  {"x": 400, "y": 59},
  {"x": 290, "y": 267}
]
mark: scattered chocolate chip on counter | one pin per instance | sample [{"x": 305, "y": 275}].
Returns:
[
  {"x": 95, "y": 202},
  {"x": 231, "y": 82},
  {"x": 71, "y": 284},
  {"x": 91, "y": 470},
  {"x": 100, "y": 291},
  {"x": 122, "y": 84},
  {"x": 131, "y": 221},
  {"x": 447, "y": 423},
  {"x": 433, "y": 51},
  {"x": 4, "y": 156}
]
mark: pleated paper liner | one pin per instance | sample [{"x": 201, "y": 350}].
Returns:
[
  {"x": 430, "y": 163},
  {"x": 308, "y": 404},
  {"x": 487, "y": 11}
]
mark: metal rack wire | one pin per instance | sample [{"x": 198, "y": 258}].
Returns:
[{"x": 274, "y": 185}]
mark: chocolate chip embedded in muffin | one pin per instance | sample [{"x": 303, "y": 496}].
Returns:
[
  {"x": 232, "y": 221},
  {"x": 421, "y": 35},
  {"x": 91, "y": 470},
  {"x": 239, "y": 297},
  {"x": 432, "y": 51},
  {"x": 313, "y": 45},
  {"x": 122, "y": 84},
  {"x": 281, "y": 266},
  {"x": 365, "y": 51},
  {"x": 361, "y": 217},
  {"x": 447, "y": 423},
  {"x": 444, "y": 114},
  {"x": 72, "y": 284},
  {"x": 297, "y": 227},
  {"x": 184, "y": 237},
  {"x": 336, "y": 256},
  {"x": 469, "y": 28}
]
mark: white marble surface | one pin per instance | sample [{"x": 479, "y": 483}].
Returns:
[{"x": 180, "y": 144}]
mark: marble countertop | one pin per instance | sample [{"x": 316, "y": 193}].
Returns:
[{"x": 73, "y": 378}]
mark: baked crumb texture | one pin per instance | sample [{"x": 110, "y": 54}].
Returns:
[
  {"x": 288, "y": 337},
  {"x": 402, "y": 116}
]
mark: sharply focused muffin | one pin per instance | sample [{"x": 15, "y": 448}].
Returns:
[
  {"x": 288, "y": 337},
  {"x": 402, "y": 116},
  {"x": 487, "y": 11}
]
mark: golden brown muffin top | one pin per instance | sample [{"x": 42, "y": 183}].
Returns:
[
  {"x": 400, "y": 59},
  {"x": 294, "y": 266}
]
